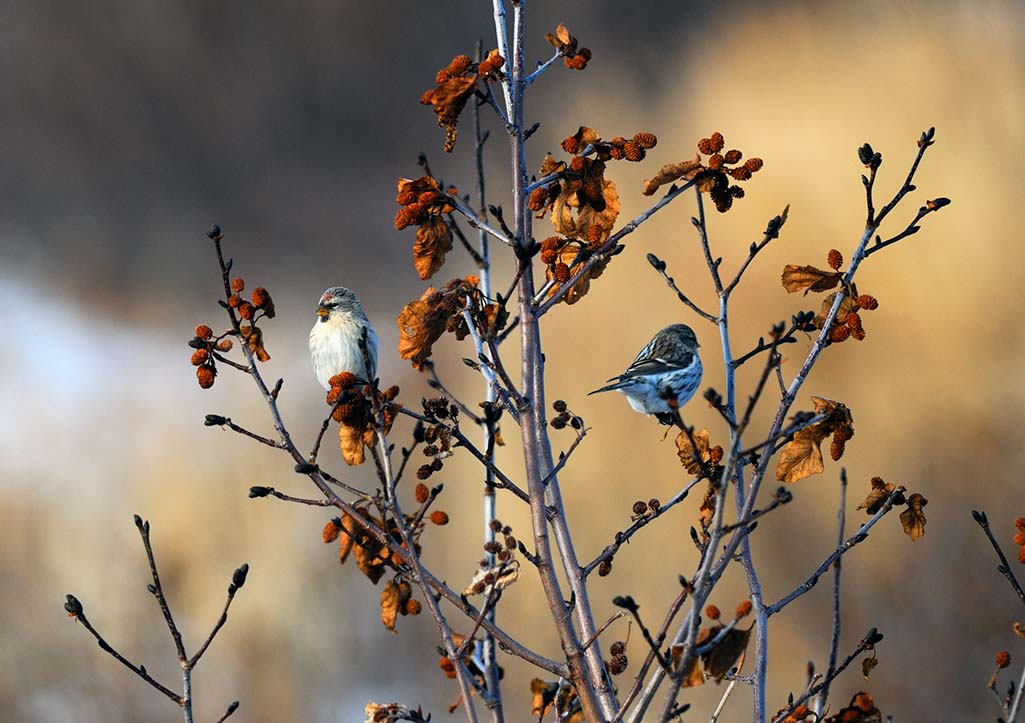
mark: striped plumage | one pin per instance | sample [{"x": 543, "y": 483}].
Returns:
[{"x": 667, "y": 368}]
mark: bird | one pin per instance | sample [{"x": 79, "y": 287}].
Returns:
[
  {"x": 335, "y": 337},
  {"x": 664, "y": 375}
]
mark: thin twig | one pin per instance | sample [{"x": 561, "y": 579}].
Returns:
[
  {"x": 834, "y": 643},
  {"x": 624, "y": 536},
  {"x": 541, "y": 68},
  {"x": 860, "y": 536},
  {"x": 139, "y": 670},
  {"x": 1004, "y": 568}
]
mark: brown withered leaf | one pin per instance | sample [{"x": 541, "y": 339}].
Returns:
[
  {"x": 542, "y": 697},
  {"x": 727, "y": 654},
  {"x": 253, "y": 336},
  {"x": 350, "y": 442},
  {"x": 345, "y": 539},
  {"x": 862, "y": 709},
  {"x": 421, "y": 323},
  {"x": 685, "y": 451},
  {"x": 433, "y": 241},
  {"x": 369, "y": 562},
  {"x": 877, "y": 497},
  {"x": 913, "y": 519},
  {"x": 562, "y": 40},
  {"x": 868, "y": 665},
  {"x": 573, "y": 216},
  {"x": 673, "y": 172},
  {"x": 550, "y": 166},
  {"x": 693, "y": 676},
  {"x": 497, "y": 577},
  {"x": 808, "y": 278},
  {"x": 706, "y": 513},
  {"x": 584, "y": 135},
  {"x": 847, "y": 305},
  {"x": 390, "y": 605},
  {"x": 449, "y": 98},
  {"x": 568, "y": 255},
  {"x": 802, "y": 456}
]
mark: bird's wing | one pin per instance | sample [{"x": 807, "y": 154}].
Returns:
[{"x": 656, "y": 365}]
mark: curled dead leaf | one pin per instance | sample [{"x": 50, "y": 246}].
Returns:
[
  {"x": 881, "y": 492},
  {"x": 862, "y": 709},
  {"x": 802, "y": 456},
  {"x": 433, "y": 241},
  {"x": 727, "y": 654},
  {"x": 913, "y": 519},
  {"x": 673, "y": 172},
  {"x": 567, "y": 256},
  {"x": 253, "y": 336},
  {"x": 705, "y": 453},
  {"x": 496, "y": 577},
  {"x": 808, "y": 278}
]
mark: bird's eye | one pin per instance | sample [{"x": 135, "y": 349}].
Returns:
[{"x": 331, "y": 305}]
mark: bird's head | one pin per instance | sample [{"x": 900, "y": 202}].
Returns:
[
  {"x": 338, "y": 301},
  {"x": 682, "y": 334}
]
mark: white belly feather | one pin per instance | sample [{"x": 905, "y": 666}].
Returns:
[{"x": 334, "y": 348}]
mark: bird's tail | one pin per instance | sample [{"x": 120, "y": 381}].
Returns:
[{"x": 614, "y": 387}]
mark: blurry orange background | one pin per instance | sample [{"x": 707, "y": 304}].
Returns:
[{"x": 131, "y": 128}]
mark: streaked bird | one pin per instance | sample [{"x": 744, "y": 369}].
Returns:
[
  {"x": 667, "y": 369},
  {"x": 335, "y": 337}
]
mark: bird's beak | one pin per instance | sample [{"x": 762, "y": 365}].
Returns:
[{"x": 322, "y": 311}]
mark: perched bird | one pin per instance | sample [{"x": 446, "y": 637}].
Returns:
[
  {"x": 335, "y": 337},
  {"x": 667, "y": 369}
]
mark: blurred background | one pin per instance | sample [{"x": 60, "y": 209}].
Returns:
[{"x": 129, "y": 129}]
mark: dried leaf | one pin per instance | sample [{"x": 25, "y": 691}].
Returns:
[
  {"x": 809, "y": 278},
  {"x": 433, "y": 241},
  {"x": 685, "y": 450},
  {"x": 253, "y": 336},
  {"x": 573, "y": 215},
  {"x": 673, "y": 172},
  {"x": 421, "y": 323},
  {"x": 847, "y": 306},
  {"x": 862, "y": 709},
  {"x": 706, "y": 513},
  {"x": 877, "y": 497},
  {"x": 368, "y": 562},
  {"x": 390, "y": 605},
  {"x": 449, "y": 98},
  {"x": 345, "y": 539},
  {"x": 350, "y": 442},
  {"x": 496, "y": 577},
  {"x": 913, "y": 519},
  {"x": 868, "y": 665},
  {"x": 727, "y": 654},
  {"x": 542, "y": 697},
  {"x": 802, "y": 456},
  {"x": 693, "y": 676},
  {"x": 567, "y": 255},
  {"x": 388, "y": 713}
]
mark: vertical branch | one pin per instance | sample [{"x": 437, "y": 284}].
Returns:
[
  {"x": 490, "y": 510},
  {"x": 586, "y": 666},
  {"x": 820, "y": 700},
  {"x": 502, "y": 38}
]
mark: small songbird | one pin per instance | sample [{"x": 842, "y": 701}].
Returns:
[
  {"x": 335, "y": 337},
  {"x": 667, "y": 368}
]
